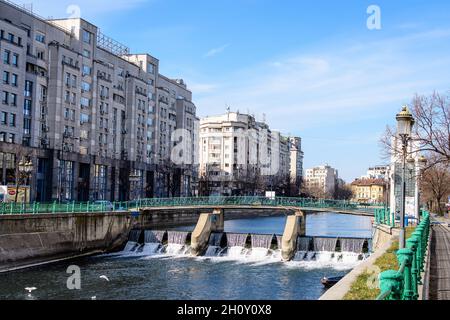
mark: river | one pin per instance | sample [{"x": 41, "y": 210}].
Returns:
[{"x": 137, "y": 276}]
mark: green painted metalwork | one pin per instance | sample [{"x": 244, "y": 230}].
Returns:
[
  {"x": 72, "y": 207},
  {"x": 411, "y": 261}
]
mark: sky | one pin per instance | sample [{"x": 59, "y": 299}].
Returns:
[{"x": 311, "y": 68}]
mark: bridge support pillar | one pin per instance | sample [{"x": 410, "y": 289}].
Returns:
[
  {"x": 295, "y": 227},
  {"x": 206, "y": 224}
]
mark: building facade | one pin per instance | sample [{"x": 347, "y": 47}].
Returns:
[
  {"x": 377, "y": 172},
  {"x": 322, "y": 180},
  {"x": 84, "y": 110},
  {"x": 241, "y": 156},
  {"x": 369, "y": 190}
]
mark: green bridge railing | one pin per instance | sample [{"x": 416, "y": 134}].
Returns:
[
  {"x": 71, "y": 207},
  {"x": 402, "y": 284}
]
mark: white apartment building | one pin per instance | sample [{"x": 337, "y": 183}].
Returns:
[
  {"x": 234, "y": 161},
  {"x": 376, "y": 172},
  {"x": 323, "y": 178},
  {"x": 296, "y": 160},
  {"x": 88, "y": 113}
]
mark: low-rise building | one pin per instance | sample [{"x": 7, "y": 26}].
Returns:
[
  {"x": 321, "y": 180},
  {"x": 369, "y": 190}
]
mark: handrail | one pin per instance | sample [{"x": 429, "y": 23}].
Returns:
[
  {"x": 71, "y": 207},
  {"x": 403, "y": 283}
]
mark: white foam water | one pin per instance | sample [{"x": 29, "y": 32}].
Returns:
[
  {"x": 131, "y": 246},
  {"x": 151, "y": 248}
]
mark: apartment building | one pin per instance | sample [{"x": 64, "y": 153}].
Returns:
[
  {"x": 241, "y": 156},
  {"x": 84, "y": 110},
  {"x": 321, "y": 179},
  {"x": 296, "y": 161},
  {"x": 377, "y": 172}
]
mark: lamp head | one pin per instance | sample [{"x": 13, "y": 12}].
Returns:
[{"x": 405, "y": 122}]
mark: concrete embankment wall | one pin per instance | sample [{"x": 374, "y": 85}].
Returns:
[
  {"x": 381, "y": 242},
  {"x": 33, "y": 239}
]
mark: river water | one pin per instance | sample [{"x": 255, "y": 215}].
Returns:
[{"x": 137, "y": 276}]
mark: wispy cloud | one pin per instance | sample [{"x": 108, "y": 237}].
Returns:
[
  {"x": 215, "y": 51},
  {"x": 355, "y": 80}
]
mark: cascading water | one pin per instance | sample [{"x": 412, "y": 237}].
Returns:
[
  {"x": 279, "y": 241},
  {"x": 133, "y": 239},
  {"x": 303, "y": 243},
  {"x": 214, "y": 247},
  {"x": 352, "y": 245},
  {"x": 325, "y": 244},
  {"x": 176, "y": 242},
  {"x": 260, "y": 245},
  {"x": 153, "y": 240},
  {"x": 236, "y": 244}
]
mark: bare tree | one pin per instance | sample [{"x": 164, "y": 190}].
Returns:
[
  {"x": 436, "y": 186},
  {"x": 431, "y": 131},
  {"x": 343, "y": 192}
]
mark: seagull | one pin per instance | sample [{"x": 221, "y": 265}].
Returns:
[
  {"x": 104, "y": 277},
  {"x": 29, "y": 289}
]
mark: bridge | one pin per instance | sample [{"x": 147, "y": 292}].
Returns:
[{"x": 213, "y": 202}]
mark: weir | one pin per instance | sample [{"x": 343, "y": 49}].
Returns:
[
  {"x": 352, "y": 244},
  {"x": 325, "y": 244},
  {"x": 206, "y": 224},
  {"x": 261, "y": 240},
  {"x": 295, "y": 227}
]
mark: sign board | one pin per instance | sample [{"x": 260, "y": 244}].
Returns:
[
  {"x": 270, "y": 194},
  {"x": 8, "y": 194},
  {"x": 410, "y": 207}
]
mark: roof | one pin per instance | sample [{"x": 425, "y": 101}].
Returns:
[{"x": 369, "y": 182}]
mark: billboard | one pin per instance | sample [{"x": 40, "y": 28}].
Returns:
[
  {"x": 8, "y": 193},
  {"x": 410, "y": 207}
]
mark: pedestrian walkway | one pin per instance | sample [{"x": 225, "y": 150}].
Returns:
[{"x": 440, "y": 262}]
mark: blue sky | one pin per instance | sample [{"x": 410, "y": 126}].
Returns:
[{"x": 312, "y": 67}]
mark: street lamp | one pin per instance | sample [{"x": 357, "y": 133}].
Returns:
[
  {"x": 25, "y": 169},
  {"x": 405, "y": 122}
]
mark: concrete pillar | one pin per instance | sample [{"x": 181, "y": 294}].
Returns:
[
  {"x": 206, "y": 224},
  {"x": 295, "y": 227}
]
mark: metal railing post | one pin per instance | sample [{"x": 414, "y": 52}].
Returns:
[
  {"x": 405, "y": 256},
  {"x": 390, "y": 281}
]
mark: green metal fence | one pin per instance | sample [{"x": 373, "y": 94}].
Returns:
[
  {"x": 70, "y": 207},
  {"x": 402, "y": 284}
]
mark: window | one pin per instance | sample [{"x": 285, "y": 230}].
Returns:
[
  {"x": 27, "y": 107},
  {"x": 86, "y": 70},
  {"x": 150, "y": 68},
  {"x": 86, "y": 53},
  {"x": 40, "y": 38},
  {"x": 84, "y": 118},
  {"x": 11, "y": 138},
  {"x": 87, "y": 37},
  {"x": 10, "y": 37},
  {"x": 15, "y": 60},
  {"x": 85, "y": 86},
  {"x": 67, "y": 78},
  {"x": 5, "y": 97},
  {"x": 6, "y": 56},
  {"x": 14, "y": 80},
  {"x": 85, "y": 102},
  {"x": 5, "y": 77},
  {"x": 67, "y": 96},
  {"x": 73, "y": 98},
  {"x": 84, "y": 134},
  {"x": 4, "y": 118},
  {"x": 26, "y": 126},
  {"x": 12, "y": 120},
  {"x": 28, "y": 88},
  {"x": 40, "y": 54},
  {"x": 13, "y": 99},
  {"x": 74, "y": 81}
]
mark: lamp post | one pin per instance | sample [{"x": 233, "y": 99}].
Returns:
[
  {"x": 405, "y": 122},
  {"x": 25, "y": 168}
]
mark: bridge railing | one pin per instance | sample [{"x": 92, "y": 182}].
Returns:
[
  {"x": 402, "y": 284},
  {"x": 70, "y": 207}
]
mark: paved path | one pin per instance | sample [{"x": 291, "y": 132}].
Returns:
[{"x": 440, "y": 262}]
